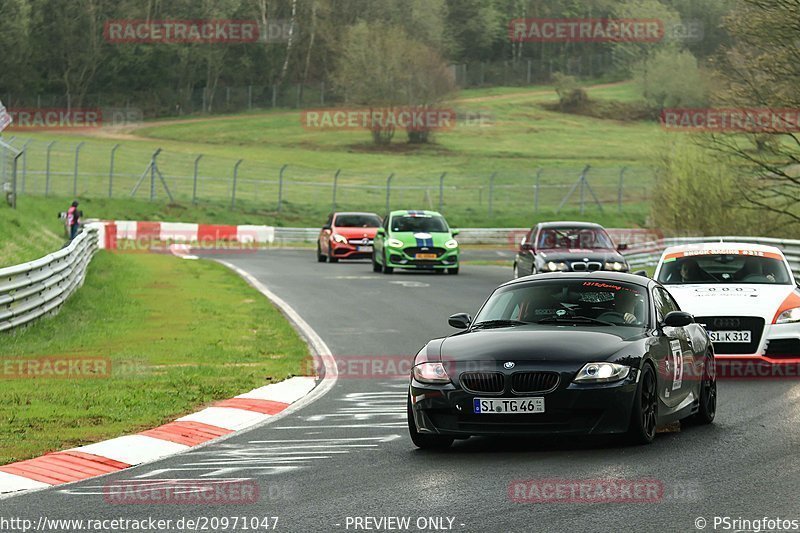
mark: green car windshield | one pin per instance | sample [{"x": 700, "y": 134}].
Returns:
[{"x": 428, "y": 224}]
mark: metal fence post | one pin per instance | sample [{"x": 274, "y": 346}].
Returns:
[
  {"x": 619, "y": 189},
  {"x": 335, "y": 182},
  {"x": 194, "y": 179},
  {"x": 25, "y": 163},
  {"x": 280, "y": 188},
  {"x": 441, "y": 190},
  {"x": 388, "y": 190},
  {"x": 536, "y": 191},
  {"x": 491, "y": 193},
  {"x": 111, "y": 172},
  {"x": 47, "y": 170},
  {"x": 235, "y": 177},
  {"x": 75, "y": 175}
]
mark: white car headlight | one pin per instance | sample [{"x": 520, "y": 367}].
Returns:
[
  {"x": 452, "y": 243},
  {"x": 339, "y": 238},
  {"x": 602, "y": 373},
  {"x": 431, "y": 373},
  {"x": 789, "y": 316},
  {"x": 552, "y": 266},
  {"x": 394, "y": 243},
  {"x": 616, "y": 266}
]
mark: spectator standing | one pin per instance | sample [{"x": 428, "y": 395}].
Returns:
[{"x": 73, "y": 220}]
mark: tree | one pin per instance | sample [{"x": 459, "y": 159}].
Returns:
[
  {"x": 761, "y": 71},
  {"x": 382, "y": 67}
]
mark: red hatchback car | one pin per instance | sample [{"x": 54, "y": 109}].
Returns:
[{"x": 347, "y": 236}]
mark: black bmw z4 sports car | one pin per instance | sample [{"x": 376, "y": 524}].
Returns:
[{"x": 564, "y": 354}]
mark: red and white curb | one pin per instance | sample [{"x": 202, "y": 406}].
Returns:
[
  {"x": 221, "y": 419},
  {"x": 257, "y": 407}
]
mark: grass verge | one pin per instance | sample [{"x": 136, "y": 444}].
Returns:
[{"x": 178, "y": 334}]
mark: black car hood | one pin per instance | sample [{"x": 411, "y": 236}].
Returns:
[
  {"x": 558, "y": 254},
  {"x": 544, "y": 343}
]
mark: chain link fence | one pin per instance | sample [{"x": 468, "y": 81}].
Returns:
[{"x": 128, "y": 170}]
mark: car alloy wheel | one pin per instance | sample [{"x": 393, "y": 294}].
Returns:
[
  {"x": 644, "y": 415},
  {"x": 707, "y": 409}
]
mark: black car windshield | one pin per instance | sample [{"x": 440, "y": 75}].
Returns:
[
  {"x": 357, "y": 221},
  {"x": 426, "y": 223},
  {"x": 725, "y": 268},
  {"x": 591, "y": 302},
  {"x": 575, "y": 238}
]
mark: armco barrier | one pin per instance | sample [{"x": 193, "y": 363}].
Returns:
[
  {"x": 31, "y": 290},
  {"x": 648, "y": 254}
]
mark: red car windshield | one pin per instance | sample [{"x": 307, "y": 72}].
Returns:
[
  {"x": 575, "y": 238},
  {"x": 357, "y": 221}
]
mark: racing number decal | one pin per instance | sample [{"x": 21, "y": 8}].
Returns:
[{"x": 677, "y": 364}]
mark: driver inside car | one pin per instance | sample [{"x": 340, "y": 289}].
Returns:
[{"x": 627, "y": 304}]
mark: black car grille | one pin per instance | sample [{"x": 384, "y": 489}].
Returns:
[
  {"x": 487, "y": 382},
  {"x": 591, "y": 266},
  {"x": 411, "y": 251},
  {"x": 528, "y": 382},
  {"x": 783, "y": 348},
  {"x": 754, "y": 325}
]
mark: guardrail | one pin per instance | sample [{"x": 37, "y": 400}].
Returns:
[
  {"x": 31, "y": 290},
  {"x": 648, "y": 254}
]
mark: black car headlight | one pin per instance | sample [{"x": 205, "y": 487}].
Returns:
[
  {"x": 602, "y": 373},
  {"x": 433, "y": 373}
]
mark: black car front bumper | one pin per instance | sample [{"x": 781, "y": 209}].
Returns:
[{"x": 571, "y": 409}]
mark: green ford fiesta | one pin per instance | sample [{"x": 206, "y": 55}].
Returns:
[{"x": 418, "y": 240}]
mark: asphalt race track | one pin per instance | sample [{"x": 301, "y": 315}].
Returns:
[{"x": 348, "y": 453}]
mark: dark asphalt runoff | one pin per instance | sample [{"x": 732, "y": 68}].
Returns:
[{"x": 345, "y": 462}]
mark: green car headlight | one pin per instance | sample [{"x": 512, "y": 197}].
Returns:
[
  {"x": 451, "y": 244},
  {"x": 394, "y": 243}
]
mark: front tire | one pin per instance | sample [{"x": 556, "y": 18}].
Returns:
[
  {"x": 376, "y": 267},
  {"x": 386, "y": 268},
  {"x": 644, "y": 415},
  {"x": 453, "y": 271},
  {"x": 425, "y": 441},
  {"x": 516, "y": 270},
  {"x": 708, "y": 395},
  {"x": 320, "y": 258}
]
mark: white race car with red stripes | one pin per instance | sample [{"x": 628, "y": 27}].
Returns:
[{"x": 744, "y": 294}]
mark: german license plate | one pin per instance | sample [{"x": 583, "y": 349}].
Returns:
[
  {"x": 507, "y": 406},
  {"x": 425, "y": 256},
  {"x": 730, "y": 336},
  {"x": 364, "y": 248}
]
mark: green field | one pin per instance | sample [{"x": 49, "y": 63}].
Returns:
[
  {"x": 179, "y": 335},
  {"x": 521, "y": 140}
]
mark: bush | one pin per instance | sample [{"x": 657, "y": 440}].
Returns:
[
  {"x": 571, "y": 96},
  {"x": 671, "y": 78},
  {"x": 698, "y": 192}
]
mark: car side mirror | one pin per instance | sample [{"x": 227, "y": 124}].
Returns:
[
  {"x": 678, "y": 319},
  {"x": 460, "y": 320},
  {"x": 622, "y": 246},
  {"x": 455, "y": 232},
  {"x": 380, "y": 231},
  {"x": 326, "y": 227},
  {"x": 641, "y": 273}
]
